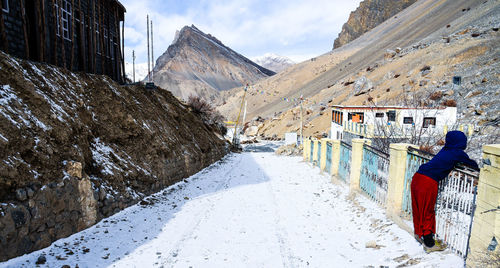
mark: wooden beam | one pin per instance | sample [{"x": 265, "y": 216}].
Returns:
[
  {"x": 54, "y": 34},
  {"x": 94, "y": 38},
  {"x": 40, "y": 34},
  {"x": 5, "y": 42},
  {"x": 123, "y": 50},
  {"x": 72, "y": 33},
  {"x": 25, "y": 30},
  {"x": 101, "y": 38},
  {"x": 82, "y": 57}
]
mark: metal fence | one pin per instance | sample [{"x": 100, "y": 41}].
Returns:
[
  {"x": 345, "y": 161},
  {"x": 374, "y": 174},
  {"x": 318, "y": 161},
  {"x": 328, "y": 166},
  {"x": 311, "y": 149},
  {"x": 455, "y": 202}
]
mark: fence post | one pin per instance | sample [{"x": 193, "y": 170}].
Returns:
[
  {"x": 356, "y": 159},
  {"x": 305, "y": 145},
  {"x": 322, "y": 163},
  {"x": 398, "y": 153},
  {"x": 486, "y": 223},
  {"x": 315, "y": 150},
  {"x": 335, "y": 159}
]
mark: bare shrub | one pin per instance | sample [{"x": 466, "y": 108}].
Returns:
[
  {"x": 450, "y": 103},
  {"x": 199, "y": 105},
  {"x": 208, "y": 114},
  {"x": 436, "y": 95}
]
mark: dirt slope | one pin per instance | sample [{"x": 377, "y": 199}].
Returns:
[{"x": 76, "y": 147}]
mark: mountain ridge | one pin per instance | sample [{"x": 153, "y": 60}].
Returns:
[{"x": 199, "y": 64}]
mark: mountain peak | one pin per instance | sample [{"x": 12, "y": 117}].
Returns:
[{"x": 197, "y": 63}]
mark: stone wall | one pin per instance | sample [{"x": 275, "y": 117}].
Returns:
[{"x": 76, "y": 148}]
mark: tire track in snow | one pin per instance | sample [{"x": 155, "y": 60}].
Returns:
[
  {"x": 172, "y": 254},
  {"x": 287, "y": 257}
]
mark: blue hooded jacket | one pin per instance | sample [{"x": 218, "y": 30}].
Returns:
[{"x": 452, "y": 153}]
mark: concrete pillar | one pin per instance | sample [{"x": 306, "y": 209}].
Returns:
[
  {"x": 322, "y": 163},
  {"x": 305, "y": 145},
  {"x": 356, "y": 159},
  {"x": 334, "y": 171},
  {"x": 397, "y": 170},
  {"x": 486, "y": 225}
]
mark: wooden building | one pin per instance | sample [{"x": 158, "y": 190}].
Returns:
[{"x": 80, "y": 35}]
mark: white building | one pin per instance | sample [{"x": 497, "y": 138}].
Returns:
[{"x": 391, "y": 121}]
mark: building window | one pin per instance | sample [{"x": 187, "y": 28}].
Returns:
[
  {"x": 65, "y": 10},
  {"x": 106, "y": 47},
  {"x": 5, "y": 5},
  {"x": 429, "y": 121},
  {"x": 391, "y": 116},
  {"x": 407, "y": 120},
  {"x": 379, "y": 115}
]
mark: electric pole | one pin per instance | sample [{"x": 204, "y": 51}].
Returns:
[
  {"x": 301, "y": 121},
  {"x": 152, "y": 54},
  {"x": 133, "y": 64},
  {"x": 149, "y": 54}
]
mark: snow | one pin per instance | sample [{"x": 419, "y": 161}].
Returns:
[
  {"x": 3, "y": 137},
  {"x": 251, "y": 209}
]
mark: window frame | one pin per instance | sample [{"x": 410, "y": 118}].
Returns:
[
  {"x": 379, "y": 115},
  {"x": 66, "y": 12},
  {"x": 5, "y": 6},
  {"x": 408, "y": 120},
  {"x": 432, "y": 122}
]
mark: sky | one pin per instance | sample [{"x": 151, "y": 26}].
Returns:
[{"x": 297, "y": 29}]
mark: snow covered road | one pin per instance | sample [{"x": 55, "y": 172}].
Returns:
[{"x": 247, "y": 210}]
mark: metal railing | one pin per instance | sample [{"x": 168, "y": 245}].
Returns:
[
  {"x": 455, "y": 202},
  {"x": 374, "y": 174},
  {"x": 311, "y": 149},
  {"x": 318, "y": 155},
  {"x": 328, "y": 166},
  {"x": 345, "y": 161}
]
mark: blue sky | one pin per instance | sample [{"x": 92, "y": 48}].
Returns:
[{"x": 297, "y": 29}]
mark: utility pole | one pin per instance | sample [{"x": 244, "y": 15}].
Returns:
[
  {"x": 152, "y": 54},
  {"x": 235, "y": 134},
  {"x": 149, "y": 69},
  {"x": 301, "y": 121},
  {"x": 133, "y": 64}
]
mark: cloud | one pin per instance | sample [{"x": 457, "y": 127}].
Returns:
[{"x": 293, "y": 28}]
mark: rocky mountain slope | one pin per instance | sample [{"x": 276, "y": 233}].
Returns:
[
  {"x": 453, "y": 38},
  {"x": 274, "y": 62},
  {"x": 198, "y": 64},
  {"x": 76, "y": 148},
  {"x": 367, "y": 16}
]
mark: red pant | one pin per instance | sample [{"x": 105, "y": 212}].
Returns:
[{"x": 423, "y": 201}]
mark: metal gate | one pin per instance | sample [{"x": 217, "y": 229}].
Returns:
[
  {"x": 328, "y": 166},
  {"x": 374, "y": 173},
  {"x": 345, "y": 161},
  {"x": 455, "y": 204},
  {"x": 318, "y": 154}
]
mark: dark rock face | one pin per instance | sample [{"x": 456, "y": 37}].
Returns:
[
  {"x": 367, "y": 16},
  {"x": 199, "y": 64},
  {"x": 76, "y": 148}
]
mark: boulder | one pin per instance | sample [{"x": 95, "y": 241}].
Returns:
[{"x": 362, "y": 86}]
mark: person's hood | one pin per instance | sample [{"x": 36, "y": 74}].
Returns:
[{"x": 456, "y": 140}]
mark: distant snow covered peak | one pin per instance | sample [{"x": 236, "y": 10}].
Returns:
[{"x": 274, "y": 62}]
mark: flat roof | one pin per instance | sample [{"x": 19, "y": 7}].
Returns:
[{"x": 341, "y": 107}]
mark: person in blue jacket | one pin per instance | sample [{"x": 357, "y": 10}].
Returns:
[{"x": 424, "y": 187}]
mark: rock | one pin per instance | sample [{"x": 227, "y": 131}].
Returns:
[
  {"x": 74, "y": 169},
  {"x": 398, "y": 50},
  {"x": 389, "y": 54},
  {"x": 30, "y": 192},
  {"x": 371, "y": 244},
  {"x": 252, "y": 131},
  {"x": 449, "y": 92},
  {"x": 367, "y": 16},
  {"x": 362, "y": 85},
  {"x": 21, "y": 194},
  {"x": 389, "y": 75},
  {"x": 425, "y": 72},
  {"x": 423, "y": 82},
  {"x": 41, "y": 260}
]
